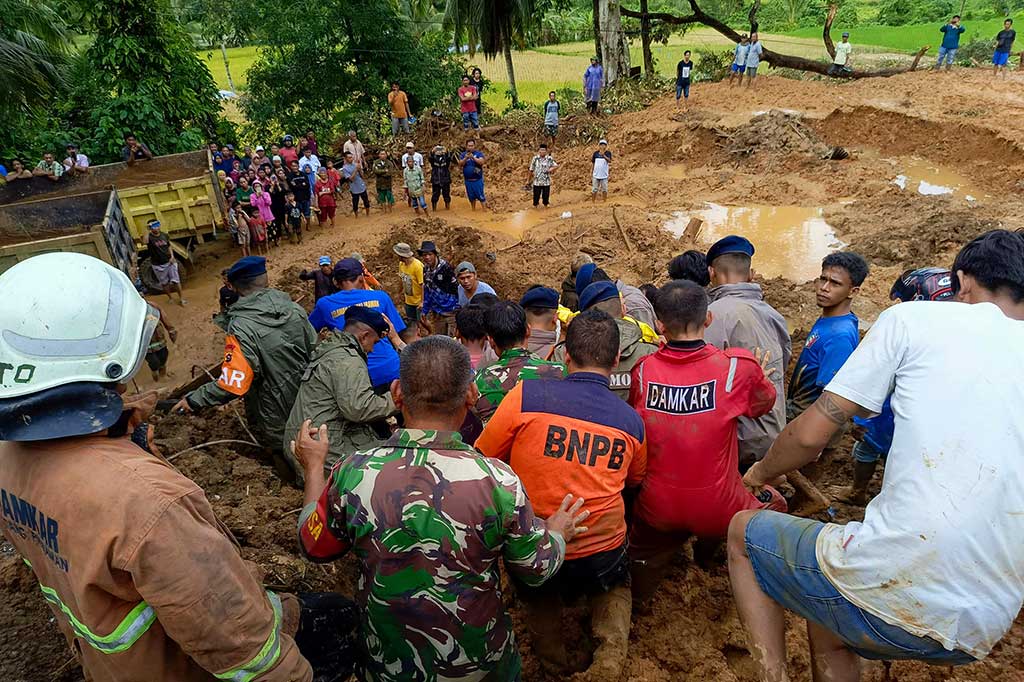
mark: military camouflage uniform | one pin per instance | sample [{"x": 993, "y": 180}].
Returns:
[
  {"x": 498, "y": 378},
  {"x": 632, "y": 347},
  {"x": 429, "y": 518},
  {"x": 336, "y": 391}
]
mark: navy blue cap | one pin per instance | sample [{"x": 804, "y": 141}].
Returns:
[
  {"x": 427, "y": 247},
  {"x": 250, "y": 266},
  {"x": 731, "y": 244},
  {"x": 597, "y": 292},
  {"x": 584, "y": 276},
  {"x": 540, "y": 297},
  {"x": 347, "y": 268},
  {"x": 370, "y": 318}
]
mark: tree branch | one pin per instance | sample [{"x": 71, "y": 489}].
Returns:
[
  {"x": 775, "y": 59},
  {"x": 826, "y": 31},
  {"x": 752, "y": 15}
]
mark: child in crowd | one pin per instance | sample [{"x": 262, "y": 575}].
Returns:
[
  {"x": 258, "y": 233},
  {"x": 293, "y": 214},
  {"x": 414, "y": 182}
]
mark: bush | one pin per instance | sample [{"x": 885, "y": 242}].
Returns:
[
  {"x": 896, "y": 12},
  {"x": 713, "y": 66},
  {"x": 975, "y": 52},
  {"x": 814, "y": 13}
]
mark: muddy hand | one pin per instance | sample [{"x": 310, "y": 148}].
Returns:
[
  {"x": 311, "y": 445},
  {"x": 764, "y": 358},
  {"x": 182, "y": 407},
  {"x": 568, "y": 518},
  {"x": 752, "y": 479}
]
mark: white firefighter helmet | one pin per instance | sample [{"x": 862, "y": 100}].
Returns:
[{"x": 68, "y": 318}]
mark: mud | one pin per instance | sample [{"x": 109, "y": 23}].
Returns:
[{"x": 665, "y": 162}]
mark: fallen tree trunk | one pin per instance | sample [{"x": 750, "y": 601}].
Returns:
[{"x": 775, "y": 59}]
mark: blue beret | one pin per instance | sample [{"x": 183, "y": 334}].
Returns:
[
  {"x": 250, "y": 266},
  {"x": 347, "y": 268},
  {"x": 730, "y": 244},
  {"x": 597, "y": 292},
  {"x": 370, "y": 318},
  {"x": 584, "y": 276},
  {"x": 540, "y": 297}
]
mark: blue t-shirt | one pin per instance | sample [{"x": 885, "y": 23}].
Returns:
[
  {"x": 481, "y": 288},
  {"x": 951, "y": 39},
  {"x": 382, "y": 362},
  {"x": 472, "y": 170},
  {"x": 832, "y": 340},
  {"x": 3, "y": 170},
  {"x": 878, "y": 430}
]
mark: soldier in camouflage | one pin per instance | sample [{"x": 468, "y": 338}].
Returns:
[
  {"x": 605, "y": 296},
  {"x": 429, "y": 518},
  {"x": 508, "y": 333},
  {"x": 336, "y": 388}
]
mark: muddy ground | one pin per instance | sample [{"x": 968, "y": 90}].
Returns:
[{"x": 732, "y": 148}]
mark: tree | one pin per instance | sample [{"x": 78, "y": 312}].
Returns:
[
  {"x": 494, "y": 26},
  {"x": 775, "y": 59},
  {"x": 32, "y": 55},
  {"x": 615, "y": 55},
  {"x": 330, "y": 66}
]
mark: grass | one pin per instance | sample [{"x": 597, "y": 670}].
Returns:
[{"x": 908, "y": 38}]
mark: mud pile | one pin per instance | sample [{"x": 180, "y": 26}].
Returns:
[{"x": 774, "y": 132}]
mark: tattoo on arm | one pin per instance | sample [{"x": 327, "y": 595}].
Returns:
[{"x": 830, "y": 407}]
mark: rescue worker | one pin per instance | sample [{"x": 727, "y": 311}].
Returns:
[
  {"x": 429, "y": 518},
  {"x": 142, "y": 579},
  {"x": 507, "y": 333},
  {"x": 693, "y": 484},
  {"x": 574, "y": 434},
  {"x": 636, "y": 304},
  {"x": 268, "y": 344},
  {"x": 541, "y": 306},
  {"x": 604, "y": 296},
  {"x": 336, "y": 388},
  {"x": 323, "y": 281},
  {"x": 440, "y": 290},
  {"x": 741, "y": 318}
]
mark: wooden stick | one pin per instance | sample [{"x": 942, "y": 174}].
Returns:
[
  {"x": 557, "y": 241},
  {"x": 625, "y": 237},
  {"x": 809, "y": 490},
  {"x": 212, "y": 442},
  {"x": 692, "y": 229}
]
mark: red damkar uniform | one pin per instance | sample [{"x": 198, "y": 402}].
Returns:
[
  {"x": 142, "y": 580},
  {"x": 690, "y": 396}
]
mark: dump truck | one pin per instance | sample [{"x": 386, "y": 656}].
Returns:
[{"x": 179, "y": 190}]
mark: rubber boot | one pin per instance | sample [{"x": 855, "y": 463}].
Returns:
[
  {"x": 858, "y": 492},
  {"x": 544, "y": 623},
  {"x": 610, "y": 619}
]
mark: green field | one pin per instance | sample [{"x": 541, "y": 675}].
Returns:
[{"x": 909, "y": 38}]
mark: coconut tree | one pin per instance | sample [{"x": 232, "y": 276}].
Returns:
[
  {"x": 492, "y": 26},
  {"x": 33, "y": 44}
]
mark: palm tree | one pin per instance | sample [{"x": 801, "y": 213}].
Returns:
[
  {"x": 492, "y": 26},
  {"x": 33, "y": 44}
]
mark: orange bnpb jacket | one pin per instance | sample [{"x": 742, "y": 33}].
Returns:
[{"x": 571, "y": 436}]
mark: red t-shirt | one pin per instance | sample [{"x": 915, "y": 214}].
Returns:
[
  {"x": 288, "y": 154},
  {"x": 690, "y": 401},
  {"x": 468, "y": 106},
  {"x": 325, "y": 193}
]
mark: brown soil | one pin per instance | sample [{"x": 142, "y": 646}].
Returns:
[{"x": 665, "y": 160}]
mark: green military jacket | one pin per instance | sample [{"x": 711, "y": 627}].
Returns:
[
  {"x": 632, "y": 347},
  {"x": 336, "y": 391},
  {"x": 269, "y": 342},
  {"x": 498, "y": 378}
]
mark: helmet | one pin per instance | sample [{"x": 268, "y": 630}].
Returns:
[
  {"x": 923, "y": 284},
  {"x": 71, "y": 328}
]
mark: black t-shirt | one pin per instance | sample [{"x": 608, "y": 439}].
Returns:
[
  {"x": 1004, "y": 40},
  {"x": 683, "y": 69},
  {"x": 159, "y": 249},
  {"x": 300, "y": 186},
  {"x": 440, "y": 167}
]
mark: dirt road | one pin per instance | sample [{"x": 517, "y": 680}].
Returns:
[{"x": 935, "y": 160}]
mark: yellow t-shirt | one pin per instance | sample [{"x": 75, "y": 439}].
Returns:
[
  {"x": 399, "y": 102},
  {"x": 412, "y": 281}
]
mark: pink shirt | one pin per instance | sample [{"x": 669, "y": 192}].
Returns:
[{"x": 262, "y": 202}]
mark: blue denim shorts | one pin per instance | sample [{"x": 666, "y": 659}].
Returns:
[
  {"x": 781, "y": 550},
  {"x": 864, "y": 451}
]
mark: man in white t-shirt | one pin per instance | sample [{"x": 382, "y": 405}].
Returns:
[
  {"x": 410, "y": 150},
  {"x": 355, "y": 147},
  {"x": 601, "y": 159},
  {"x": 841, "y": 62},
  {"x": 935, "y": 572}
]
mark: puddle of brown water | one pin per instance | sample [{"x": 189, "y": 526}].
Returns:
[
  {"x": 789, "y": 241},
  {"x": 926, "y": 177}
]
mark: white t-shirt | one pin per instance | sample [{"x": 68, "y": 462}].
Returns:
[
  {"x": 417, "y": 159},
  {"x": 843, "y": 51},
  {"x": 940, "y": 552},
  {"x": 754, "y": 52},
  {"x": 601, "y": 164},
  {"x": 313, "y": 163}
]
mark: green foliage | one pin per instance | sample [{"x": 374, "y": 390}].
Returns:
[
  {"x": 814, "y": 12},
  {"x": 901, "y": 12},
  {"x": 32, "y": 56},
  {"x": 712, "y": 66},
  {"x": 975, "y": 52},
  {"x": 325, "y": 67}
]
